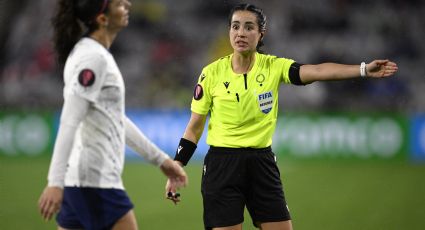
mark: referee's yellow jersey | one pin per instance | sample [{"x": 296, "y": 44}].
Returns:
[{"x": 243, "y": 107}]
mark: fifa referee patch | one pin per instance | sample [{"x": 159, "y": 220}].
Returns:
[
  {"x": 265, "y": 101},
  {"x": 86, "y": 77},
  {"x": 198, "y": 92}
]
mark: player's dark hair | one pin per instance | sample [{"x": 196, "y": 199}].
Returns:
[
  {"x": 72, "y": 19},
  {"x": 261, "y": 19}
]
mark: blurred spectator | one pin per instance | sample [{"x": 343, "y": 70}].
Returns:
[{"x": 180, "y": 38}]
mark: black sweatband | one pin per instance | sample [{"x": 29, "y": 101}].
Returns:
[
  {"x": 185, "y": 151},
  {"x": 294, "y": 74}
]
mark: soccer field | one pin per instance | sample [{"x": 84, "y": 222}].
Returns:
[{"x": 321, "y": 195}]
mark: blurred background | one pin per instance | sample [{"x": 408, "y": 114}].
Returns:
[
  {"x": 351, "y": 152},
  {"x": 167, "y": 44}
]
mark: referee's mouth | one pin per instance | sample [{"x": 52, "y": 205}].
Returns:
[{"x": 241, "y": 43}]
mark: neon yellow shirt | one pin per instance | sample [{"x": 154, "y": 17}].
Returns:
[{"x": 243, "y": 108}]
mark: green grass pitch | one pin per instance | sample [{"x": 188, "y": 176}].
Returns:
[{"x": 321, "y": 195}]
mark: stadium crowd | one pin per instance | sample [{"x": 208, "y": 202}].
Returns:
[{"x": 163, "y": 50}]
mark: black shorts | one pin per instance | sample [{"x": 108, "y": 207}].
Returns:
[{"x": 235, "y": 178}]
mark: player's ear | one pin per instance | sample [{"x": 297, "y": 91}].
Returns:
[{"x": 102, "y": 20}]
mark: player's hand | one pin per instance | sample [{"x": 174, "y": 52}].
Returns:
[
  {"x": 381, "y": 68},
  {"x": 50, "y": 202}
]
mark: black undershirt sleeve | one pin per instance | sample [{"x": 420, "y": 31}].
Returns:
[{"x": 294, "y": 74}]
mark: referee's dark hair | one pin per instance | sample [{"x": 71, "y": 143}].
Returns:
[
  {"x": 261, "y": 19},
  {"x": 69, "y": 20}
]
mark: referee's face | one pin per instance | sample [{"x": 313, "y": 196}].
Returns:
[{"x": 244, "y": 32}]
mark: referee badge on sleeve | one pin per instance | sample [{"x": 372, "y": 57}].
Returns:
[
  {"x": 86, "y": 77},
  {"x": 265, "y": 101},
  {"x": 198, "y": 92}
]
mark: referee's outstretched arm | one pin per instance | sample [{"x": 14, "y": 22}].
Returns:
[{"x": 334, "y": 71}]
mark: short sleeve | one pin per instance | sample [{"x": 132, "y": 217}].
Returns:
[
  {"x": 201, "y": 101},
  {"x": 87, "y": 77},
  {"x": 282, "y": 66}
]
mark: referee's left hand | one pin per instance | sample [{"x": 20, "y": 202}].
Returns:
[
  {"x": 175, "y": 182},
  {"x": 177, "y": 178},
  {"x": 381, "y": 68},
  {"x": 50, "y": 202},
  {"x": 171, "y": 193}
]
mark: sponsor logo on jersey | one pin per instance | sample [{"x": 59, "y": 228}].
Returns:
[
  {"x": 265, "y": 102},
  {"x": 226, "y": 84},
  {"x": 86, "y": 77},
  {"x": 198, "y": 92}
]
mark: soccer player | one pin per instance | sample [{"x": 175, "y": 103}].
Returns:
[
  {"x": 85, "y": 187},
  {"x": 240, "y": 91}
]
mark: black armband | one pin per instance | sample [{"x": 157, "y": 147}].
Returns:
[
  {"x": 185, "y": 151},
  {"x": 294, "y": 74}
]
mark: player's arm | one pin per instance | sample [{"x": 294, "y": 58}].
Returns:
[
  {"x": 73, "y": 112},
  {"x": 137, "y": 140},
  {"x": 334, "y": 71},
  {"x": 143, "y": 146}
]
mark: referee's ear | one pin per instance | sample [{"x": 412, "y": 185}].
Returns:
[{"x": 261, "y": 36}]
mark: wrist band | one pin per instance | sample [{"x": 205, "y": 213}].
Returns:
[
  {"x": 363, "y": 69},
  {"x": 185, "y": 151}
]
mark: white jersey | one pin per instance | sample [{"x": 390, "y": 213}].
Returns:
[{"x": 97, "y": 156}]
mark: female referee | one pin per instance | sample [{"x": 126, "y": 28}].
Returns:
[
  {"x": 241, "y": 93},
  {"x": 85, "y": 188}
]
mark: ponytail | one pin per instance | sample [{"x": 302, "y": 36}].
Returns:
[
  {"x": 66, "y": 29},
  {"x": 72, "y": 19}
]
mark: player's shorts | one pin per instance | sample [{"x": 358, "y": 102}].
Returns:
[
  {"x": 235, "y": 178},
  {"x": 92, "y": 208}
]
